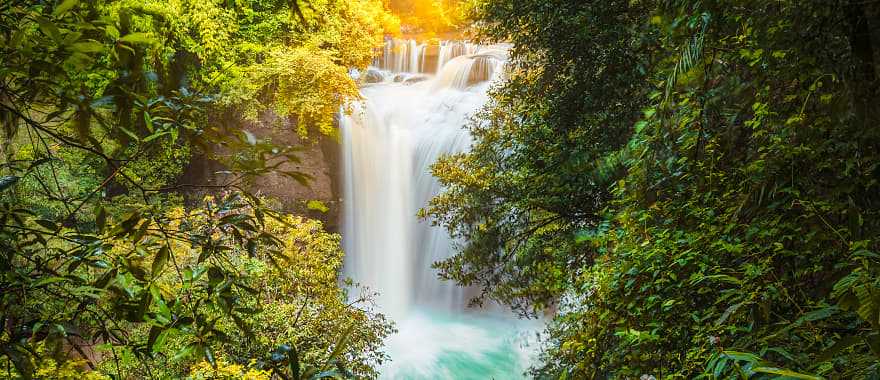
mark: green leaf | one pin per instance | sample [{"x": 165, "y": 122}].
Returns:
[
  {"x": 786, "y": 373},
  {"x": 87, "y": 47},
  {"x": 47, "y": 224},
  {"x": 65, "y": 6},
  {"x": 37, "y": 326},
  {"x": 160, "y": 260},
  {"x": 159, "y": 343},
  {"x": 727, "y": 313},
  {"x": 205, "y": 254},
  {"x": 71, "y": 37},
  {"x": 48, "y": 28},
  {"x": 331, "y": 374},
  {"x": 111, "y": 32},
  {"x": 79, "y": 61},
  {"x": 184, "y": 352},
  {"x": 317, "y": 206},
  {"x": 101, "y": 219},
  {"x": 155, "y": 136},
  {"x": 104, "y": 280},
  {"x": 341, "y": 344},
  {"x": 47, "y": 281},
  {"x": 130, "y": 134},
  {"x": 155, "y": 331},
  {"x": 148, "y": 122},
  {"x": 136, "y": 271},
  {"x": 138, "y": 39},
  {"x": 141, "y": 231},
  {"x": 866, "y": 253},
  {"x": 103, "y": 102},
  {"x": 7, "y": 181},
  {"x": 742, "y": 356},
  {"x": 293, "y": 362},
  {"x": 816, "y": 315},
  {"x": 873, "y": 341},
  {"x": 723, "y": 278}
]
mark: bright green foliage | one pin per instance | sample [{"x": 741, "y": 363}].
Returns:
[
  {"x": 695, "y": 183},
  {"x": 308, "y": 79},
  {"x": 290, "y": 310},
  {"x": 227, "y": 371},
  {"x": 305, "y": 308},
  {"x": 102, "y": 104}
]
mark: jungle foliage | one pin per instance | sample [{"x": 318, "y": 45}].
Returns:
[
  {"x": 692, "y": 184},
  {"x": 103, "y": 271}
]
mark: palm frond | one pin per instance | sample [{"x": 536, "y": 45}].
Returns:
[{"x": 691, "y": 54}]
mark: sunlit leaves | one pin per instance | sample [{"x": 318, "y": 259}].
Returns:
[
  {"x": 108, "y": 105},
  {"x": 138, "y": 39}
]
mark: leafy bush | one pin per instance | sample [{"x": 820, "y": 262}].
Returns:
[
  {"x": 102, "y": 103},
  {"x": 693, "y": 184}
]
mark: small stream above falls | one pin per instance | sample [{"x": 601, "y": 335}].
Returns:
[{"x": 413, "y": 112}]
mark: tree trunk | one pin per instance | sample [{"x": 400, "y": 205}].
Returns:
[{"x": 865, "y": 68}]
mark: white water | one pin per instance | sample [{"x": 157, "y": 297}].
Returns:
[
  {"x": 451, "y": 49},
  {"x": 389, "y": 143}
]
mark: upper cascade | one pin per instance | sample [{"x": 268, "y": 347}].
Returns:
[
  {"x": 402, "y": 56},
  {"x": 447, "y": 50},
  {"x": 456, "y": 64},
  {"x": 467, "y": 70}
]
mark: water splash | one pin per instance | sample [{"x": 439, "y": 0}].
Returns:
[
  {"x": 451, "y": 49},
  {"x": 437, "y": 345}
]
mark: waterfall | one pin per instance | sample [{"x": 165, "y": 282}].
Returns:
[
  {"x": 390, "y": 141},
  {"x": 402, "y": 56},
  {"x": 451, "y": 49},
  {"x": 467, "y": 70},
  {"x": 409, "y": 56}
]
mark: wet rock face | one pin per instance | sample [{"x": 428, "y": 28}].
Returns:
[
  {"x": 407, "y": 78},
  {"x": 319, "y": 160},
  {"x": 415, "y": 79},
  {"x": 373, "y": 76}
]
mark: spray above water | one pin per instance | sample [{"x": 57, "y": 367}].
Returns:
[{"x": 408, "y": 120}]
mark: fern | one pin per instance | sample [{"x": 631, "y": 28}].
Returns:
[{"x": 689, "y": 55}]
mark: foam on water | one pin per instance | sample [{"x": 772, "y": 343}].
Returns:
[{"x": 434, "y": 344}]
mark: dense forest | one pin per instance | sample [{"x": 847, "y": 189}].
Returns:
[
  {"x": 694, "y": 184},
  {"x": 105, "y": 267},
  {"x": 682, "y": 188}
]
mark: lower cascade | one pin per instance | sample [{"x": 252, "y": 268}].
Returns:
[{"x": 405, "y": 123}]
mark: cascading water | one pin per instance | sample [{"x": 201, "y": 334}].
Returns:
[
  {"x": 389, "y": 142},
  {"x": 402, "y": 56},
  {"x": 447, "y": 50}
]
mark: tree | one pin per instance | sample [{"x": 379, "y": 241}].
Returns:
[
  {"x": 102, "y": 103},
  {"x": 539, "y": 171},
  {"x": 715, "y": 211}
]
